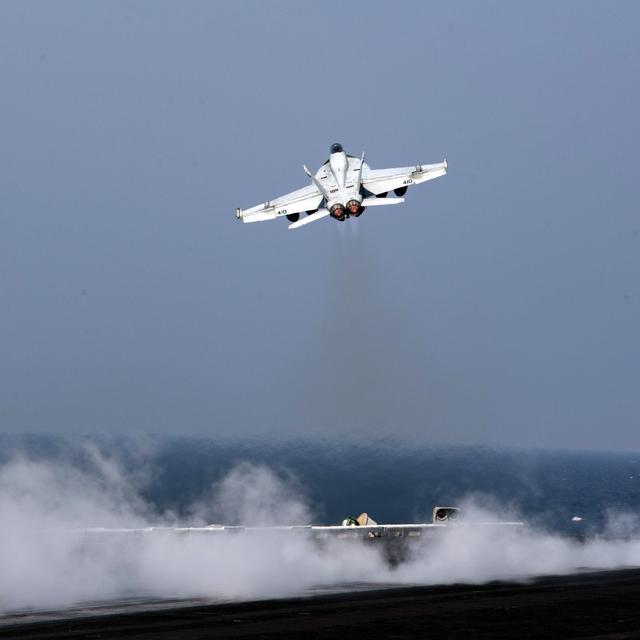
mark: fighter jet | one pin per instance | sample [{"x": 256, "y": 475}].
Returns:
[{"x": 343, "y": 187}]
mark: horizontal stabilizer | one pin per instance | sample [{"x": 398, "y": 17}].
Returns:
[
  {"x": 320, "y": 213},
  {"x": 378, "y": 202}
]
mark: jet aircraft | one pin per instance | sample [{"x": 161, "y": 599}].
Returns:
[{"x": 343, "y": 187}]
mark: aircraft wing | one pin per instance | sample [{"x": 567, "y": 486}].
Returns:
[
  {"x": 305, "y": 199},
  {"x": 383, "y": 180}
]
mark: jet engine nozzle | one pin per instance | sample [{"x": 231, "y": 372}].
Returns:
[
  {"x": 445, "y": 514},
  {"x": 354, "y": 208},
  {"x": 338, "y": 212}
]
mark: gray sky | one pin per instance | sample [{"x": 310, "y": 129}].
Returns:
[{"x": 499, "y": 305}]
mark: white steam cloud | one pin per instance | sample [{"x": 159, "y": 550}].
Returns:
[
  {"x": 46, "y": 562},
  {"x": 254, "y": 495}
]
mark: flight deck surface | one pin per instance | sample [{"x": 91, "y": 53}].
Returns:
[{"x": 599, "y": 605}]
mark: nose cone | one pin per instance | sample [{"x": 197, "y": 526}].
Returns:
[{"x": 336, "y": 147}]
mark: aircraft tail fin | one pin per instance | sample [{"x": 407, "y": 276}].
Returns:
[
  {"x": 320, "y": 213},
  {"x": 379, "y": 202},
  {"x": 358, "y": 181}
]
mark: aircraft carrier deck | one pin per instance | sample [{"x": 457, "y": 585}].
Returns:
[{"x": 602, "y": 605}]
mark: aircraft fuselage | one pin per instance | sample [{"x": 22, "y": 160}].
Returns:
[{"x": 339, "y": 179}]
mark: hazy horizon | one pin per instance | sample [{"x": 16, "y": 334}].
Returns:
[{"x": 499, "y": 305}]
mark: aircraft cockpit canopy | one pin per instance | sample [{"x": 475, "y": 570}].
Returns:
[{"x": 336, "y": 147}]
